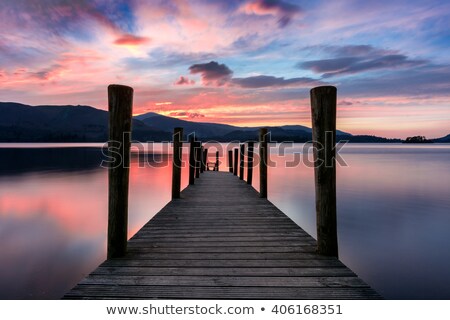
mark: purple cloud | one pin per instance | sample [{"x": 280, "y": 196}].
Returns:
[
  {"x": 184, "y": 81},
  {"x": 285, "y": 11},
  {"x": 212, "y": 73},
  {"x": 357, "y": 59},
  {"x": 263, "y": 81}
]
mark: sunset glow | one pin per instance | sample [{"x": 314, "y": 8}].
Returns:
[{"x": 247, "y": 63}]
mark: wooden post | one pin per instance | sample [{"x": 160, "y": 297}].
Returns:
[
  {"x": 192, "y": 161},
  {"x": 205, "y": 159},
  {"x": 230, "y": 160},
  {"x": 176, "y": 162},
  {"x": 250, "y": 147},
  {"x": 120, "y": 105},
  {"x": 263, "y": 162},
  {"x": 241, "y": 162},
  {"x": 323, "y": 114},
  {"x": 216, "y": 167},
  {"x": 235, "y": 165},
  {"x": 202, "y": 150},
  {"x": 198, "y": 158}
]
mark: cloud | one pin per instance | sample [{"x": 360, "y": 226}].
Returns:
[
  {"x": 344, "y": 103},
  {"x": 263, "y": 81},
  {"x": 131, "y": 40},
  {"x": 212, "y": 73},
  {"x": 283, "y": 10},
  {"x": 186, "y": 114},
  {"x": 60, "y": 17},
  {"x": 163, "y": 58},
  {"x": 356, "y": 59},
  {"x": 184, "y": 81},
  {"x": 216, "y": 74}
]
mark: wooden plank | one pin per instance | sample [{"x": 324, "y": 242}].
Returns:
[
  {"x": 230, "y": 244},
  {"x": 199, "y": 292},
  {"x": 220, "y": 271}
]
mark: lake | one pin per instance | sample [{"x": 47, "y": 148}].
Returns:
[{"x": 393, "y": 212}]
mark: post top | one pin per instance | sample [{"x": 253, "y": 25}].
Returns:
[
  {"x": 323, "y": 90},
  {"x": 119, "y": 87}
]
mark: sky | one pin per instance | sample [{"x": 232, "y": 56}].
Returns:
[{"x": 247, "y": 63}]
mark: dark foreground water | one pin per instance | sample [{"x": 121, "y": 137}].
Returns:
[{"x": 393, "y": 213}]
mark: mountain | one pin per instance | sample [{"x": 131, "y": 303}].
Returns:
[
  {"x": 201, "y": 129},
  {"x": 445, "y": 139},
  {"x": 24, "y": 123},
  {"x": 224, "y": 132}
]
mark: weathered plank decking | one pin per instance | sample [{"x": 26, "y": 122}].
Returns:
[{"x": 222, "y": 241}]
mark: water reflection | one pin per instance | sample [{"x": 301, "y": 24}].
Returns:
[
  {"x": 53, "y": 215},
  {"x": 393, "y": 216}
]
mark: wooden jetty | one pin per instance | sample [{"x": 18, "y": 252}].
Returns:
[{"x": 221, "y": 239}]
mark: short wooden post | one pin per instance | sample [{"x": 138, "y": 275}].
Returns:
[
  {"x": 263, "y": 162},
  {"x": 202, "y": 150},
  {"x": 205, "y": 159},
  {"x": 216, "y": 167},
  {"x": 241, "y": 162},
  {"x": 191, "y": 161},
  {"x": 250, "y": 147},
  {"x": 323, "y": 114},
  {"x": 235, "y": 164},
  {"x": 198, "y": 158},
  {"x": 230, "y": 160},
  {"x": 120, "y": 105},
  {"x": 176, "y": 162}
]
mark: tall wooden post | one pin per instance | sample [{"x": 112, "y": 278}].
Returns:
[
  {"x": 202, "y": 155},
  {"x": 216, "y": 167},
  {"x": 191, "y": 160},
  {"x": 205, "y": 159},
  {"x": 241, "y": 162},
  {"x": 176, "y": 162},
  {"x": 263, "y": 162},
  {"x": 230, "y": 160},
  {"x": 250, "y": 147},
  {"x": 235, "y": 164},
  {"x": 323, "y": 114},
  {"x": 120, "y": 105},
  {"x": 198, "y": 158}
]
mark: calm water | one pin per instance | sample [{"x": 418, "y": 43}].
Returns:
[{"x": 393, "y": 213}]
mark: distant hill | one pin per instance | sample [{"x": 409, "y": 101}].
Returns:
[
  {"x": 445, "y": 139},
  {"x": 24, "y": 123},
  {"x": 224, "y": 132}
]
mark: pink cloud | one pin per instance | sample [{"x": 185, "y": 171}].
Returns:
[
  {"x": 131, "y": 40},
  {"x": 283, "y": 10},
  {"x": 184, "y": 81}
]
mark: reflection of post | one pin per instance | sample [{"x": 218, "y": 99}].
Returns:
[
  {"x": 230, "y": 160},
  {"x": 176, "y": 162},
  {"x": 323, "y": 114},
  {"x": 263, "y": 162},
  {"x": 198, "y": 150},
  {"x": 120, "y": 103},
  {"x": 191, "y": 161},
  {"x": 241, "y": 162},
  {"x": 216, "y": 167},
  {"x": 235, "y": 165},
  {"x": 251, "y": 145}
]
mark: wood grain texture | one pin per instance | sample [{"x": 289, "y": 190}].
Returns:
[
  {"x": 176, "y": 162},
  {"x": 251, "y": 145},
  {"x": 263, "y": 156},
  {"x": 323, "y": 115},
  {"x": 222, "y": 241},
  {"x": 120, "y": 106}
]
